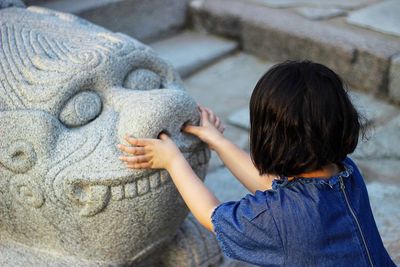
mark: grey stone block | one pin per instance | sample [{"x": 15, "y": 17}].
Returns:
[
  {"x": 11, "y": 3},
  {"x": 315, "y": 13},
  {"x": 209, "y": 17},
  {"x": 70, "y": 91},
  {"x": 394, "y": 79},
  {"x": 225, "y": 186},
  {"x": 379, "y": 156},
  {"x": 144, "y": 20},
  {"x": 383, "y": 17},
  {"x": 234, "y": 76},
  {"x": 376, "y": 112},
  {"x": 384, "y": 142},
  {"x": 240, "y": 118},
  {"x": 349, "y": 4},
  {"x": 190, "y": 51},
  {"x": 362, "y": 59}
]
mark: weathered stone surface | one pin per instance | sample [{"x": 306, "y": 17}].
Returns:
[
  {"x": 240, "y": 118},
  {"x": 394, "y": 80},
  {"x": 379, "y": 156},
  {"x": 383, "y": 17},
  {"x": 384, "y": 199},
  {"x": 362, "y": 59},
  {"x": 205, "y": 18},
  {"x": 349, "y": 4},
  {"x": 11, "y": 3},
  {"x": 190, "y": 51},
  {"x": 316, "y": 13},
  {"x": 235, "y": 77},
  {"x": 65, "y": 102},
  {"x": 385, "y": 170},
  {"x": 144, "y": 20},
  {"x": 375, "y": 111},
  {"x": 201, "y": 250},
  {"x": 225, "y": 186},
  {"x": 384, "y": 142}
]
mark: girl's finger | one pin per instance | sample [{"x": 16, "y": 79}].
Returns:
[
  {"x": 139, "y": 165},
  {"x": 137, "y": 141},
  {"x": 131, "y": 150},
  {"x": 217, "y": 122},
  {"x": 211, "y": 115},
  {"x": 136, "y": 159},
  {"x": 204, "y": 116},
  {"x": 195, "y": 130},
  {"x": 221, "y": 129},
  {"x": 163, "y": 136}
]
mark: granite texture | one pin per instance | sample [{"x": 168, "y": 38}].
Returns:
[
  {"x": 315, "y": 13},
  {"x": 361, "y": 58},
  {"x": 143, "y": 20},
  {"x": 191, "y": 51},
  {"x": 348, "y": 4},
  {"x": 383, "y": 17},
  {"x": 394, "y": 81},
  {"x": 70, "y": 91}
]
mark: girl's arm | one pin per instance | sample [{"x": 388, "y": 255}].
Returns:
[
  {"x": 164, "y": 154},
  {"x": 237, "y": 160},
  {"x": 242, "y": 167}
]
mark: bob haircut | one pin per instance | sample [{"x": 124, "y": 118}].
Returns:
[{"x": 301, "y": 119}]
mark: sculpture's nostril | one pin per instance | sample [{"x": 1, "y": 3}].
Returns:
[
  {"x": 163, "y": 132},
  {"x": 186, "y": 123}
]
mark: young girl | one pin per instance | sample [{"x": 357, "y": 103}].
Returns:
[{"x": 308, "y": 204}]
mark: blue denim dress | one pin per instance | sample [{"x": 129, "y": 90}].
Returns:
[{"x": 304, "y": 222}]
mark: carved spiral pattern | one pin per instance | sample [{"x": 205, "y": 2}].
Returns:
[
  {"x": 26, "y": 191},
  {"x": 18, "y": 157}
]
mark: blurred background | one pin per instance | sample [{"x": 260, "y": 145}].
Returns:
[{"x": 222, "y": 47}]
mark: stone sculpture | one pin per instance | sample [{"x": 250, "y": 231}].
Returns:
[{"x": 69, "y": 91}]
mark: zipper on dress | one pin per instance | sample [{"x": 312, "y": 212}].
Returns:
[{"x": 342, "y": 187}]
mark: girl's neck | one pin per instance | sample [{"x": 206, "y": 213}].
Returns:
[{"x": 325, "y": 172}]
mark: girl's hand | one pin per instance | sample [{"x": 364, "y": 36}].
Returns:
[
  {"x": 210, "y": 130},
  {"x": 150, "y": 153}
]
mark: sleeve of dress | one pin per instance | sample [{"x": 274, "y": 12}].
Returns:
[{"x": 246, "y": 230}]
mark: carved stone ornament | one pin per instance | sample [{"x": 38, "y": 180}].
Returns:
[{"x": 69, "y": 92}]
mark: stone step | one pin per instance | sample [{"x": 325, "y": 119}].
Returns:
[
  {"x": 190, "y": 51},
  {"x": 362, "y": 57},
  {"x": 143, "y": 20},
  {"x": 382, "y": 17}
]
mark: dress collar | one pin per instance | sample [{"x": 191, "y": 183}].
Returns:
[{"x": 284, "y": 181}]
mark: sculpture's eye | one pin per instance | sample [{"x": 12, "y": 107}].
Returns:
[
  {"x": 142, "y": 79},
  {"x": 81, "y": 109}
]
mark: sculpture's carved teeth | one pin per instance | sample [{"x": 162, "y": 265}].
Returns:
[
  {"x": 97, "y": 200},
  {"x": 144, "y": 185},
  {"x": 117, "y": 192},
  {"x": 95, "y": 196}
]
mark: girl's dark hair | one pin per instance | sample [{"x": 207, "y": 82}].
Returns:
[{"x": 301, "y": 119}]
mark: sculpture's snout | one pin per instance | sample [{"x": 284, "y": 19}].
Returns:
[{"x": 164, "y": 110}]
